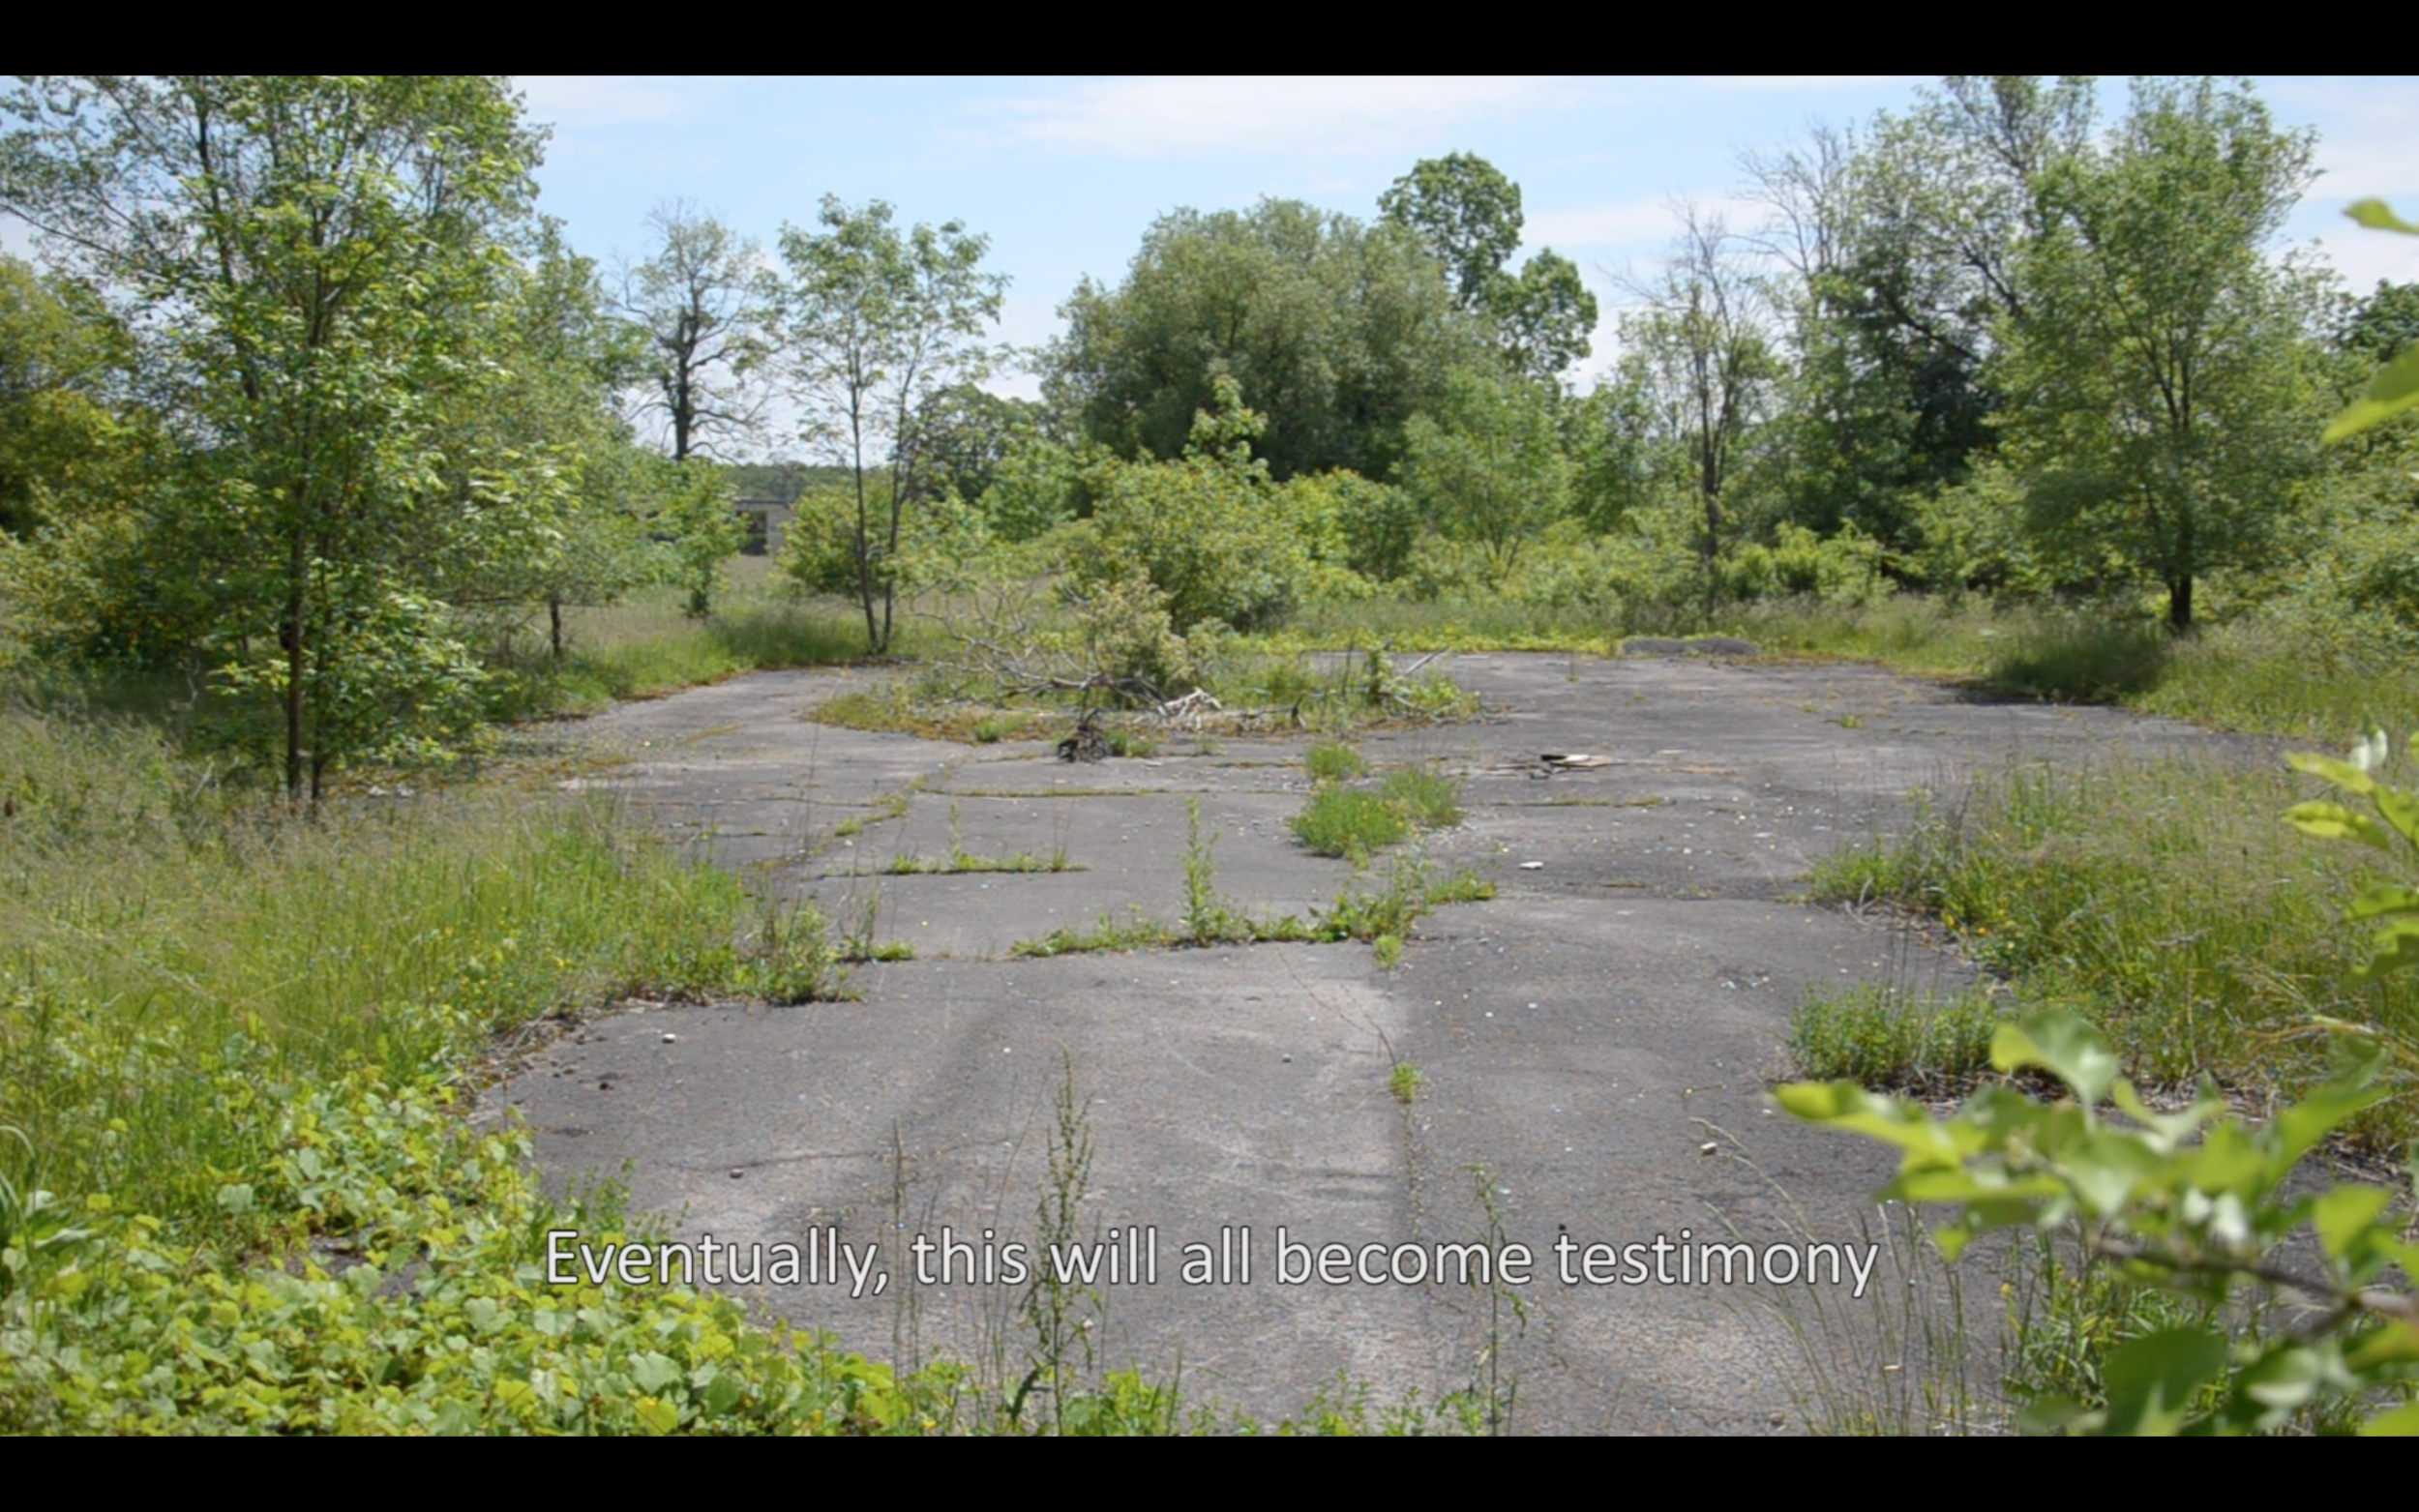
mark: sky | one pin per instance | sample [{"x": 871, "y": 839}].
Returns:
[{"x": 1065, "y": 175}]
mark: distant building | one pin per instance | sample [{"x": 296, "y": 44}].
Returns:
[{"x": 766, "y": 521}]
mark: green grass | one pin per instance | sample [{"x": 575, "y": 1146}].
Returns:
[
  {"x": 1885, "y": 1037},
  {"x": 1136, "y": 932},
  {"x": 2251, "y": 676},
  {"x": 1350, "y": 821},
  {"x": 962, "y": 863},
  {"x": 646, "y": 646},
  {"x": 1357, "y": 823},
  {"x": 2168, "y": 902},
  {"x": 163, "y": 932},
  {"x": 1332, "y": 761},
  {"x": 1431, "y": 799}
]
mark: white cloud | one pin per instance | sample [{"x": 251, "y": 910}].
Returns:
[
  {"x": 2363, "y": 258},
  {"x": 1615, "y": 224},
  {"x": 602, "y": 99},
  {"x": 1152, "y": 117}
]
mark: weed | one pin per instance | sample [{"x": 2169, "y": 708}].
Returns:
[
  {"x": 1138, "y": 930},
  {"x": 1208, "y": 919},
  {"x": 1850, "y": 721},
  {"x": 1411, "y": 888},
  {"x": 1332, "y": 761},
  {"x": 1356, "y": 822},
  {"x": 1060, "y": 1312},
  {"x": 1351, "y": 822},
  {"x": 1887, "y": 1037},
  {"x": 792, "y": 958},
  {"x": 1389, "y": 951},
  {"x": 859, "y": 945},
  {"x": 2160, "y": 900},
  {"x": 1405, "y": 1081},
  {"x": 1490, "y": 1384},
  {"x": 1430, "y": 799}
]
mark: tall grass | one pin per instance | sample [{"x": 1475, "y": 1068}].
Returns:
[
  {"x": 179, "y": 956},
  {"x": 2165, "y": 900}
]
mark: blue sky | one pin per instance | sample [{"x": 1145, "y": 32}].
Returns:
[{"x": 1065, "y": 174}]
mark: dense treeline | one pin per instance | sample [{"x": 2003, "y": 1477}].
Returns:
[
  {"x": 303, "y": 401},
  {"x": 1997, "y": 345}
]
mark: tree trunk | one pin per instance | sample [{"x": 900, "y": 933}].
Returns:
[
  {"x": 2180, "y": 604},
  {"x": 554, "y": 620}
]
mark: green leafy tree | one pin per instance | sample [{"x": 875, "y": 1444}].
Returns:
[
  {"x": 876, "y": 321},
  {"x": 1489, "y": 468},
  {"x": 2394, "y": 387},
  {"x": 699, "y": 519},
  {"x": 62, "y": 432},
  {"x": 1339, "y": 332},
  {"x": 539, "y": 460},
  {"x": 960, "y": 436},
  {"x": 306, "y": 264},
  {"x": 1209, "y": 531},
  {"x": 1900, "y": 244},
  {"x": 1467, "y": 215},
  {"x": 1543, "y": 316},
  {"x": 2159, "y": 379}
]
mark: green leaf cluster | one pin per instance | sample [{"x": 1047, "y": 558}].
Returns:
[{"x": 2195, "y": 1200}]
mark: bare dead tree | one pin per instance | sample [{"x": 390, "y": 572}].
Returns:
[{"x": 701, "y": 303}]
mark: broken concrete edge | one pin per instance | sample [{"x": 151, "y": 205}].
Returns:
[{"x": 1694, "y": 645}]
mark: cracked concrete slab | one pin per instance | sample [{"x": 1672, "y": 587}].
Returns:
[{"x": 1594, "y": 1044}]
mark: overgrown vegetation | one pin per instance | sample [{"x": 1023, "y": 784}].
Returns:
[
  {"x": 317, "y": 447},
  {"x": 1357, "y": 823},
  {"x": 1880, "y": 1035},
  {"x": 2162, "y": 902}
]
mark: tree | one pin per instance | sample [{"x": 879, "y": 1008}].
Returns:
[
  {"x": 1467, "y": 215},
  {"x": 702, "y": 303},
  {"x": 1337, "y": 331},
  {"x": 59, "y": 360},
  {"x": 961, "y": 434},
  {"x": 1490, "y": 467},
  {"x": 1544, "y": 317},
  {"x": 308, "y": 265},
  {"x": 2157, "y": 378},
  {"x": 1208, "y": 531},
  {"x": 876, "y": 320},
  {"x": 1702, "y": 348},
  {"x": 540, "y": 455}
]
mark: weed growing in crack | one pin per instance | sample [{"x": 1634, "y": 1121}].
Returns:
[
  {"x": 791, "y": 959},
  {"x": 1060, "y": 1313},
  {"x": 1497, "y": 1391},
  {"x": 860, "y": 946},
  {"x": 1357, "y": 823},
  {"x": 1333, "y": 761}
]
